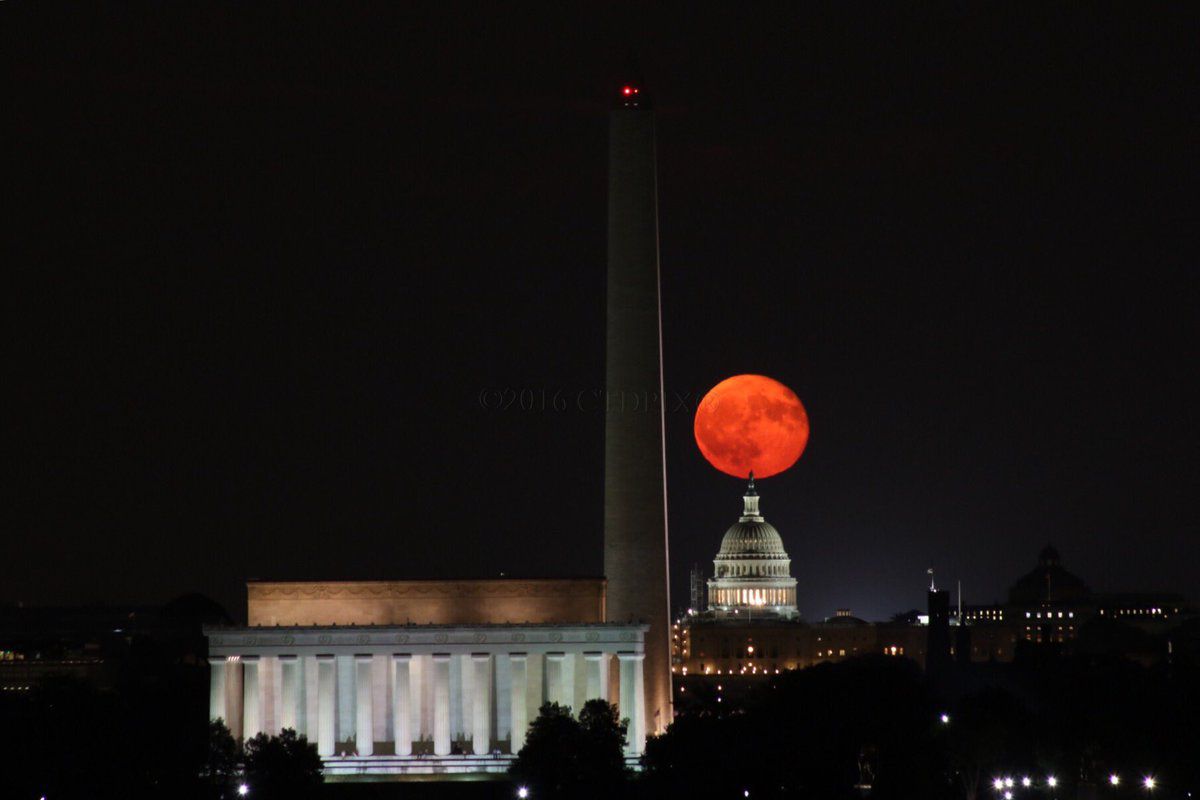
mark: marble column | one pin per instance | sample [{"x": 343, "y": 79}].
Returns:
[
  {"x": 381, "y": 698},
  {"x": 251, "y": 698},
  {"x": 462, "y": 704},
  {"x": 633, "y": 701},
  {"x": 345, "y": 686},
  {"x": 554, "y": 678},
  {"x": 401, "y": 702},
  {"x": 234, "y": 695},
  {"x": 217, "y": 690},
  {"x": 481, "y": 717},
  {"x": 597, "y": 680},
  {"x": 419, "y": 677},
  {"x": 308, "y": 695},
  {"x": 364, "y": 731},
  {"x": 268, "y": 690},
  {"x": 520, "y": 700},
  {"x": 326, "y": 705},
  {"x": 568, "y": 682},
  {"x": 441, "y": 704},
  {"x": 289, "y": 692},
  {"x": 501, "y": 700},
  {"x": 614, "y": 678},
  {"x": 535, "y": 683}
]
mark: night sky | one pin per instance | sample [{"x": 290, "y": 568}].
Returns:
[{"x": 278, "y": 268}]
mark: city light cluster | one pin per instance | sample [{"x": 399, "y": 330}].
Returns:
[{"x": 1005, "y": 785}]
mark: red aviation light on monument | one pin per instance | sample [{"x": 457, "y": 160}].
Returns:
[{"x": 630, "y": 96}]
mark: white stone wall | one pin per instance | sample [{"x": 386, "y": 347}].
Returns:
[{"x": 326, "y": 681}]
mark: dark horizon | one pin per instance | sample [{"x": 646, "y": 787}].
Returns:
[{"x": 279, "y": 271}]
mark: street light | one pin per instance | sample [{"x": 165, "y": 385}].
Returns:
[
  {"x": 243, "y": 790},
  {"x": 522, "y": 792},
  {"x": 1052, "y": 781},
  {"x": 1009, "y": 783},
  {"x": 1149, "y": 783},
  {"x": 1114, "y": 779},
  {"x": 998, "y": 784},
  {"x": 945, "y": 719},
  {"x": 1027, "y": 781}
]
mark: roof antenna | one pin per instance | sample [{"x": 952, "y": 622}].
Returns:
[{"x": 932, "y": 587}]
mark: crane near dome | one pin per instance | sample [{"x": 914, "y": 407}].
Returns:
[{"x": 752, "y": 571}]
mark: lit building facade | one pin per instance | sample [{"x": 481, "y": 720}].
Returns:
[
  {"x": 750, "y": 625},
  {"x": 766, "y": 646},
  {"x": 752, "y": 571},
  {"x": 1049, "y": 605},
  {"x": 742, "y": 633},
  {"x": 421, "y": 677}
]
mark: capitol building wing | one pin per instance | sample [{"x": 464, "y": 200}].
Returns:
[{"x": 422, "y": 676}]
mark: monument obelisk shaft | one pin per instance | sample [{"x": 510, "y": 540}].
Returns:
[{"x": 635, "y": 505}]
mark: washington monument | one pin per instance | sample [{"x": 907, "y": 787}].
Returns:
[{"x": 635, "y": 505}]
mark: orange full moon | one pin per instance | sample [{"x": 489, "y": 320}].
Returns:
[{"x": 751, "y": 423}]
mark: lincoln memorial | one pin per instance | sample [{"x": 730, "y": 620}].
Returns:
[{"x": 412, "y": 677}]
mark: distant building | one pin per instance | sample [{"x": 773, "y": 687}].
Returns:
[
  {"x": 751, "y": 626},
  {"x": 1051, "y": 606},
  {"x": 752, "y": 571},
  {"x": 938, "y": 648},
  {"x": 101, "y": 645}
]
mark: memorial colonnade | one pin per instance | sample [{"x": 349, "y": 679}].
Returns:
[{"x": 420, "y": 691}]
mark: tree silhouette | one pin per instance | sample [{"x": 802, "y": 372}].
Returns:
[
  {"x": 283, "y": 766},
  {"x": 220, "y": 771},
  {"x": 991, "y": 732},
  {"x": 565, "y": 757},
  {"x": 603, "y": 735},
  {"x": 808, "y": 733}
]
